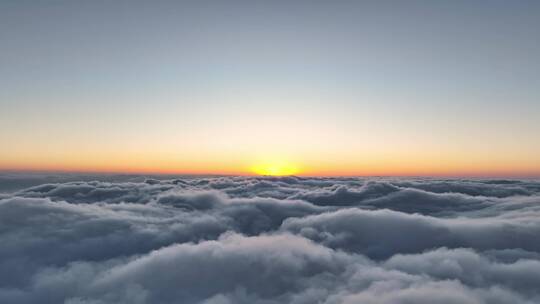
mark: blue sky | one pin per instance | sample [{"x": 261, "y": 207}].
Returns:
[{"x": 225, "y": 84}]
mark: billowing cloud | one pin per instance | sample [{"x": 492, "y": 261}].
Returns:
[{"x": 220, "y": 240}]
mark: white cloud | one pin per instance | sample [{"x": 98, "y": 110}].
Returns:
[{"x": 269, "y": 240}]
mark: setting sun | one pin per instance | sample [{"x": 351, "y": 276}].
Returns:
[{"x": 275, "y": 168}]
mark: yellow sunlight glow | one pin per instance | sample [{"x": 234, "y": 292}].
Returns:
[{"x": 275, "y": 168}]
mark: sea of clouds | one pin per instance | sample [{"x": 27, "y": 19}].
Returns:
[{"x": 234, "y": 240}]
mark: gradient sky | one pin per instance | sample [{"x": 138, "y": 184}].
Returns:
[{"x": 316, "y": 87}]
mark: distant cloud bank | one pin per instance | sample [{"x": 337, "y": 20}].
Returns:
[{"x": 236, "y": 240}]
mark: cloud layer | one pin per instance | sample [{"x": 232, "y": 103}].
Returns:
[{"x": 225, "y": 240}]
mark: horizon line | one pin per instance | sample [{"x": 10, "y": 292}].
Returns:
[{"x": 245, "y": 174}]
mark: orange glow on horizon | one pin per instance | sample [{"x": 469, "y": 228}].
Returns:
[
  {"x": 272, "y": 163},
  {"x": 282, "y": 169}
]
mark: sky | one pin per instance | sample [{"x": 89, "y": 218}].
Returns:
[{"x": 443, "y": 88}]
